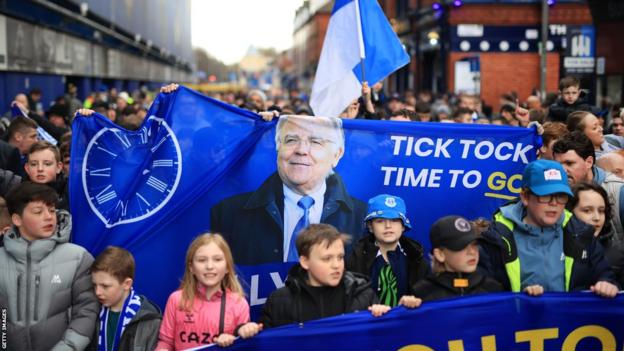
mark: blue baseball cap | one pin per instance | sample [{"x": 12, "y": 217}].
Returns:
[
  {"x": 545, "y": 177},
  {"x": 389, "y": 207}
]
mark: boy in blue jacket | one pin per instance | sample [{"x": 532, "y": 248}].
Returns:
[{"x": 535, "y": 245}]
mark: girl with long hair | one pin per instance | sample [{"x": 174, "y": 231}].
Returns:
[
  {"x": 210, "y": 306},
  {"x": 591, "y": 205}
]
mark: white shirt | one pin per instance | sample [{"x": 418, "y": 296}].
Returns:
[
  {"x": 292, "y": 211},
  {"x": 398, "y": 245}
]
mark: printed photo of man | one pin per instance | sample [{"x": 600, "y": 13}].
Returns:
[{"x": 261, "y": 226}]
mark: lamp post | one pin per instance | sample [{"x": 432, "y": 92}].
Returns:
[{"x": 543, "y": 49}]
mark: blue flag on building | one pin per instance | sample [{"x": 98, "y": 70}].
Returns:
[
  {"x": 359, "y": 40},
  {"x": 153, "y": 190}
]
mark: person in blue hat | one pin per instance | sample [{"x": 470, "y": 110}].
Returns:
[
  {"x": 535, "y": 245},
  {"x": 393, "y": 261}
]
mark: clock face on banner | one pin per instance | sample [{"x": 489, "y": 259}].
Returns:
[{"x": 129, "y": 176}]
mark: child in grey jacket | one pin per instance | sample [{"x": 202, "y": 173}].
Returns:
[{"x": 45, "y": 284}]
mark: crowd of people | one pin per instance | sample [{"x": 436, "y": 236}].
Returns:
[{"x": 564, "y": 233}]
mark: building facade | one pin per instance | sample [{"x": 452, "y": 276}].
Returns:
[
  {"x": 93, "y": 44},
  {"x": 489, "y": 48},
  {"x": 311, "y": 21}
]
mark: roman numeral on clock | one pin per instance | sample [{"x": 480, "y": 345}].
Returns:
[
  {"x": 162, "y": 163},
  {"x": 105, "y": 195},
  {"x": 101, "y": 172},
  {"x": 157, "y": 184}
]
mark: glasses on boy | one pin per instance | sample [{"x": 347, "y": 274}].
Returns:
[{"x": 561, "y": 198}]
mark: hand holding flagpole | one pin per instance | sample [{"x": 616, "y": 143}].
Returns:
[{"x": 367, "y": 97}]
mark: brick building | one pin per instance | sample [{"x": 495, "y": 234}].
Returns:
[
  {"x": 517, "y": 70},
  {"x": 311, "y": 21},
  {"x": 494, "y": 44},
  {"x": 499, "y": 41}
]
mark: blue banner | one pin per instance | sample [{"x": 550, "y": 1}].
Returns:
[
  {"x": 152, "y": 190},
  {"x": 504, "y": 321},
  {"x": 581, "y": 50}
]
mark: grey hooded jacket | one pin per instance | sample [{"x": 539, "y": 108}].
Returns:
[{"x": 46, "y": 288}]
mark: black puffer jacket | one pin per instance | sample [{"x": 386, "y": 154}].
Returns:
[
  {"x": 61, "y": 186},
  {"x": 10, "y": 158},
  {"x": 559, "y": 111},
  {"x": 295, "y": 302},
  {"x": 442, "y": 285},
  {"x": 141, "y": 334},
  {"x": 614, "y": 253}
]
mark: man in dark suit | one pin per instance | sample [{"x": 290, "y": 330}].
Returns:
[{"x": 261, "y": 226}]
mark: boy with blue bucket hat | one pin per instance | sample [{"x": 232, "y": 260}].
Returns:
[{"x": 393, "y": 261}]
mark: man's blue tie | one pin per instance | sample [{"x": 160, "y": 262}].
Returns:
[{"x": 305, "y": 203}]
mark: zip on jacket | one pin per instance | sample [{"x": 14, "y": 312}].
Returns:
[{"x": 28, "y": 274}]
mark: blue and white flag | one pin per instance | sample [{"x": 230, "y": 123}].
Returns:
[
  {"x": 358, "y": 32},
  {"x": 41, "y": 133}
]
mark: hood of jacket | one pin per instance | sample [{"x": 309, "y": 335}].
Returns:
[
  {"x": 515, "y": 212},
  {"x": 17, "y": 246},
  {"x": 148, "y": 311}
]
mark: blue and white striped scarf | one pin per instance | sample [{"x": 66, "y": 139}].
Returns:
[{"x": 131, "y": 306}]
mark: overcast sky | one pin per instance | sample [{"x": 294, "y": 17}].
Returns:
[{"x": 226, "y": 28}]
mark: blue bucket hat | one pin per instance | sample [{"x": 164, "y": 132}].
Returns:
[
  {"x": 389, "y": 207},
  {"x": 545, "y": 177}
]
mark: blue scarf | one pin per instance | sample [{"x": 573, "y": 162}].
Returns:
[{"x": 131, "y": 306}]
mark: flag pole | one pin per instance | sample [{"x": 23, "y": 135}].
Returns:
[
  {"x": 358, "y": 18},
  {"x": 363, "y": 70}
]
